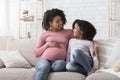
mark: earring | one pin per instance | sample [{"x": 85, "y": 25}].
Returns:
[{"x": 82, "y": 32}]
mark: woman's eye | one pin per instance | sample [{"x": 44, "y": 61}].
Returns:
[{"x": 57, "y": 22}]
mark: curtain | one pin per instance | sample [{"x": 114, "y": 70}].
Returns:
[{"x": 4, "y": 20}]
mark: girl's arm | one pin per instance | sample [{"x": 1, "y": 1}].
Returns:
[
  {"x": 70, "y": 33},
  {"x": 96, "y": 57}
]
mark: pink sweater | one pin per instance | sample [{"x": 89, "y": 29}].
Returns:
[{"x": 42, "y": 49}]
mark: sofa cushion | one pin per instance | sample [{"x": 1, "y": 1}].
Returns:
[
  {"x": 1, "y": 64},
  {"x": 3, "y": 42},
  {"x": 114, "y": 55},
  {"x": 16, "y": 74},
  {"x": 14, "y": 59},
  {"x": 102, "y": 76},
  {"x": 66, "y": 76},
  {"x": 25, "y": 46},
  {"x": 116, "y": 66},
  {"x": 105, "y": 49}
]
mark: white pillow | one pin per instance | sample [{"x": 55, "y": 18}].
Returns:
[
  {"x": 114, "y": 56},
  {"x": 1, "y": 62},
  {"x": 105, "y": 49},
  {"x": 14, "y": 59},
  {"x": 25, "y": 46},
  {"x": 116, "y": 66}
]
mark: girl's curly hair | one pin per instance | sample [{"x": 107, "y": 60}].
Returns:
[{"x": 88, "y": 29}]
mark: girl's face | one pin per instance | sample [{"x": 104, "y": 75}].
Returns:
[
  {"x": 77, "y": 32},
  {"x": 56, "y": 24}
]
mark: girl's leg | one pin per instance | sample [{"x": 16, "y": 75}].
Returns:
[
  {"x": 73, "y": 67},
  {"x": 83, "y": 60},
  {"x": 58, "y": 66},
  {"x": 42, "y": 69}
]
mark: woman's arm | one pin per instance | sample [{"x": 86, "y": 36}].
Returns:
[
  {"x": 40, "y": 46},
  {"x": 68, "y": 52}
]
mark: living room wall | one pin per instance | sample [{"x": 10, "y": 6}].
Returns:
[{"x": 95, "y": 11}]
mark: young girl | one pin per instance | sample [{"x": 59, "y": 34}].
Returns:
[
  {"x": 82, "y": 50},
  {"x": 51, "y": 48}
]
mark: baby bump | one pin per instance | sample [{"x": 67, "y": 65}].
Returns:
[{"x": 54, "y": 54}]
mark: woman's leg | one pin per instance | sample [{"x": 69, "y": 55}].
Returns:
[
  {"x": 58, "y": 66},
  {"x": 83, "y": 60},
  {"x": 73, "y": 67},
  {"x": 42, "y": 69}
]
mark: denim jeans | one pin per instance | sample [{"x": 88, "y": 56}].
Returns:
[
  {"x": 81, "y": 63},
  {"x": 44, "y": 67}
]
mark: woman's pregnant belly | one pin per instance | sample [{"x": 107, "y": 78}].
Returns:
[{"x": 54, "y": 54}]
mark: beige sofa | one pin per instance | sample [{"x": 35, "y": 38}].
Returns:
[{"x": 10, "y": 71}]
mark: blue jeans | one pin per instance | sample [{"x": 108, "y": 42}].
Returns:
[
  {"x": 81, "y": 63},
  {"x": 44, "y": 67}
]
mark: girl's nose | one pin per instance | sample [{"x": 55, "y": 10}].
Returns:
[{"x": 73, "y": 30}]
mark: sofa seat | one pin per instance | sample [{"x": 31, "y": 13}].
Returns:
[
  {"x": 102, "y": 76},
  {"x": 17, "y": 74},
  {"x": 29, "y": 74},
  {"x": 66, "y": 76}
]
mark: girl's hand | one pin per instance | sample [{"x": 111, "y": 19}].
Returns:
[
  {"x": 55, "y": 44},
  {"x": 95, "y": 68}
]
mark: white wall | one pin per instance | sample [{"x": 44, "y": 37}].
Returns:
[
  {"x": 4, "y": 20},
  {"x": 15, "y": 14},
  {"x": 95, "y": 11},
  {"x": 14, "y": 17}
]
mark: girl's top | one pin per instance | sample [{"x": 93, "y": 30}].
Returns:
[
  {"x": 42, "y": 49},
  {"x": 85, "y": 45}
]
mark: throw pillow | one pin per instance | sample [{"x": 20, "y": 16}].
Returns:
[
  {"x": 25, "y": 46},
  {"x": 105, "y": 49},
  {"x": 14, "y": 59},
  {"x": 116, "y": 66},
  {"x": 114, "y": 55},
  {"x": 1, "y": 62}
]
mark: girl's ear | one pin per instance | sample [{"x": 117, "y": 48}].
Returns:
[{"x": 82, "y": 32}]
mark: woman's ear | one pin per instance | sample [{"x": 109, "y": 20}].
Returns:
[{"x": 50, "y": 23}]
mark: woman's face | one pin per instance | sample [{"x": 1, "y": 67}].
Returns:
[
  {"x": 56, "y": 24},
  {"x": 77, "y": 32}
]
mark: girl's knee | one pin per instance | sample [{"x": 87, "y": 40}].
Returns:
[
  {"x": 77, "y": 53},
  {"x": 70, "y": 67}
]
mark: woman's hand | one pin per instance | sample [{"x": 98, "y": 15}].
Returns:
[{"x": 55, "y": 44}]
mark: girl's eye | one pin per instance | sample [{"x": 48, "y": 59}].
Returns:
[{"x": 57, "y": 21}]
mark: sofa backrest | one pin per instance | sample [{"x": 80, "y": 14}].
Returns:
[
  {"x": 3, "y": 42},
  {"x": 25, "y": 46}
]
